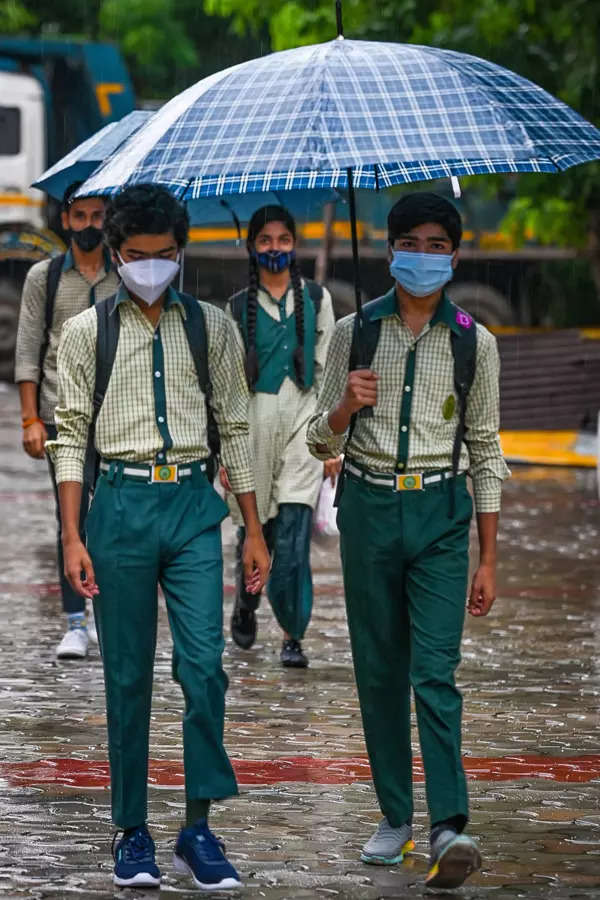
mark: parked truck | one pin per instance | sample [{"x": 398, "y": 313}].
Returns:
[{"x": 53, "y": 95}]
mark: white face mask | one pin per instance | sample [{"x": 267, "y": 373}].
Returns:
[{"x": 148, "y": 278}]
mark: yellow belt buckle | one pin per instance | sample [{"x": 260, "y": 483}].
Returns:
[
  {"x": 408, "y": 482},
  {"x": 164, "y": 474}
]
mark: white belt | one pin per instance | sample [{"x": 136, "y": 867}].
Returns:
[
  {"x": 415, "y": 481},
  {"x": 161, "y": 474}
]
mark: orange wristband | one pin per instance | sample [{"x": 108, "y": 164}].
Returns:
[{"x": 27, "y": 422}]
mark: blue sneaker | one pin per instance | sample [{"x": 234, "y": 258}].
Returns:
[
  {"x": 198, "y": 853},
  {"x": 135, "y": 865}
]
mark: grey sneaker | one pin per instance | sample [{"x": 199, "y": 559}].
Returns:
[
  {"x": 453, "y": 858},
  {"x": 388, "y": 845}
]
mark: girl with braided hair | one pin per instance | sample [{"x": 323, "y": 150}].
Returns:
[{"x": 284, "y": 325}]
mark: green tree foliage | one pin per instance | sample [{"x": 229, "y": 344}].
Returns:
[
  {"x": 152, "y": 37},
  {"x": 15, "y": 17}
]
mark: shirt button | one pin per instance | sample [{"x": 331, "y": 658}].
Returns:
[
  {"x": 155, "y": 337},
  {"x": 285, "y": 346},
  {"x": 157, "y": 374},
  {"x": 161, "y": 419},
  {"x": 412, "y": 348},
  {"x": 404, "y": 428},
  {"x": 400, "y": 465},
  {"x": 407, "y": 388},
  {"x": 161, "y": 455}
]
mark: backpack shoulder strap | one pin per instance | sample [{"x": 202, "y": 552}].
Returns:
[
  {"x": 237, "y": 304},
  {"x": 52, "y": 279},
  {"x": 315, "y": 292},
  {"x": 108, "y": 326},
  {"x": 370, "y": 338},
  {"x": 195, "y": 330},
  {"x": 54, "y": 272},
  {"x": 464, "y": 352},
  {"x": 197, "y": 336}
]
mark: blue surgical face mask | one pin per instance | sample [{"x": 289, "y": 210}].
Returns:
[
  {"x": 274, "y": 260},
  {"x": 421, "y": 274}
]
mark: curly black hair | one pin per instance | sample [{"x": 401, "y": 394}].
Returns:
[
  {"x": 259, "y": 219},
  {"x": 145, "y": 209},
  {"x": 421, "y": 207}
]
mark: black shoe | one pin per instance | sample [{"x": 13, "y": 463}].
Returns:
[
  {"x": 243, "y": 627},
  {"x": 292, "y": 656}
]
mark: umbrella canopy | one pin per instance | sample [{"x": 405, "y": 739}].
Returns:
[
  {"x": 87, "y": 156},
  {"x": 239, "y": 208},
  {"x": 392, "y": 113}
]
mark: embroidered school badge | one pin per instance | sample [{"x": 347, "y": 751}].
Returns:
[
  {"x": 449, "y": 407},
  {"x": 463, "y": 319}
]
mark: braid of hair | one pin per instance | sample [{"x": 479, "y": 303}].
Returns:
[
  {"x": 252, "y": 311},
  {"x": 299, "y": 313}
]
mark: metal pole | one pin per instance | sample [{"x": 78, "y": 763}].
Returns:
[
  {"x": 338, "y": 18},
  {"x": 322, "y": 260}
]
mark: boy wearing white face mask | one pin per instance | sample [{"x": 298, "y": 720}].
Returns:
[
  {"x": 430, "y": 376},
  {"x": 155, "y": 519}
]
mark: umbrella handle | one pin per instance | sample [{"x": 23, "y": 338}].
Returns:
[{"x": 365, "y": 412}]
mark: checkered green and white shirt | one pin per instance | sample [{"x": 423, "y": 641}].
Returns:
[
  {"x": 433, "y": 415},
  {"x": 129, "y": 425},
  {"x": 74, "y": 294}
]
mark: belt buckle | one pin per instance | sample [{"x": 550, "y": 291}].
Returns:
[
  {"x": 164, "y": 474},
  {"x": 408, "y": 482}
]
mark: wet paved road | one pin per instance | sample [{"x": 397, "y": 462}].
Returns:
[{"x": 530, "y": 676}]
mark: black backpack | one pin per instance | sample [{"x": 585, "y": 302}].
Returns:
[
  {"x": 52, "y": 279},
  {"x": 106, "y": 350},
  {"x": 464, "y": 352},
  {"x": 238, "y": 301}
]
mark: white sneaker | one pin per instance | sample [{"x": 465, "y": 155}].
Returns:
[
  {"x": 91, "y": 628},
  {"x": 74, "y": 644}
]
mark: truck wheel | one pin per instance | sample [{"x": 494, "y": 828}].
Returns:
[
  {"x": 10, "y": 296},
  {"x": 485, "y": 303},
  {"x": 342, "y": 295}
]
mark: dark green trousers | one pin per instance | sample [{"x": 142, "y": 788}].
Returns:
[
  {"x": 139, "y": 536},
  {"x": 289, "y": 587},
  {"x": 405, "y": 565}
]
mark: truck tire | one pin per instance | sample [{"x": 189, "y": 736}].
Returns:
[
  {"x": 484, "y": 303},
  {"x": 10, "y": 296}
]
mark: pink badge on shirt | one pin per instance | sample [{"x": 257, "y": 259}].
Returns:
[{"x": 463, "y": 319}]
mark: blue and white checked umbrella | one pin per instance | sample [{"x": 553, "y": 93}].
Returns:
[
  {"x": 392, "y": 113},
  {"x": 82, "y": 161}
]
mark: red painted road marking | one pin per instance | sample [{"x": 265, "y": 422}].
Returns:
[{"x": 86, "y": 773}]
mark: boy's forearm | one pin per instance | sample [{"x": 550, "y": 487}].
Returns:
[
  {"x": 28, "y": 396},
  {"x": 69, "y": 495},
  {"x": 487, "y": 527},
  {"x": 249, "y": 510}
]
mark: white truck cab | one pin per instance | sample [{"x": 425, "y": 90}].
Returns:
[{"x": 22, "y": 150}]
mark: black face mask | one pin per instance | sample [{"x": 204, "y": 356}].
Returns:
[{"x": 88, "y": 238}]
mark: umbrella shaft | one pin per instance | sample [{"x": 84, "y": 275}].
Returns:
[
  {"x": 338, "y": 18},
  {"x": 353, "y": 231}
]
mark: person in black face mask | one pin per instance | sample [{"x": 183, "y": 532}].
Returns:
[
  {"x": 54, "y": 291},
  {"x": 283, "y": 326}
]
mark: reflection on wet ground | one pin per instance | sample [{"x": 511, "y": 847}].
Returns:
[{"x": 531, "y": 681}]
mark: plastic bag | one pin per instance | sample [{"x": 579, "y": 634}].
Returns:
[{"x": 326, "y": 513}]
